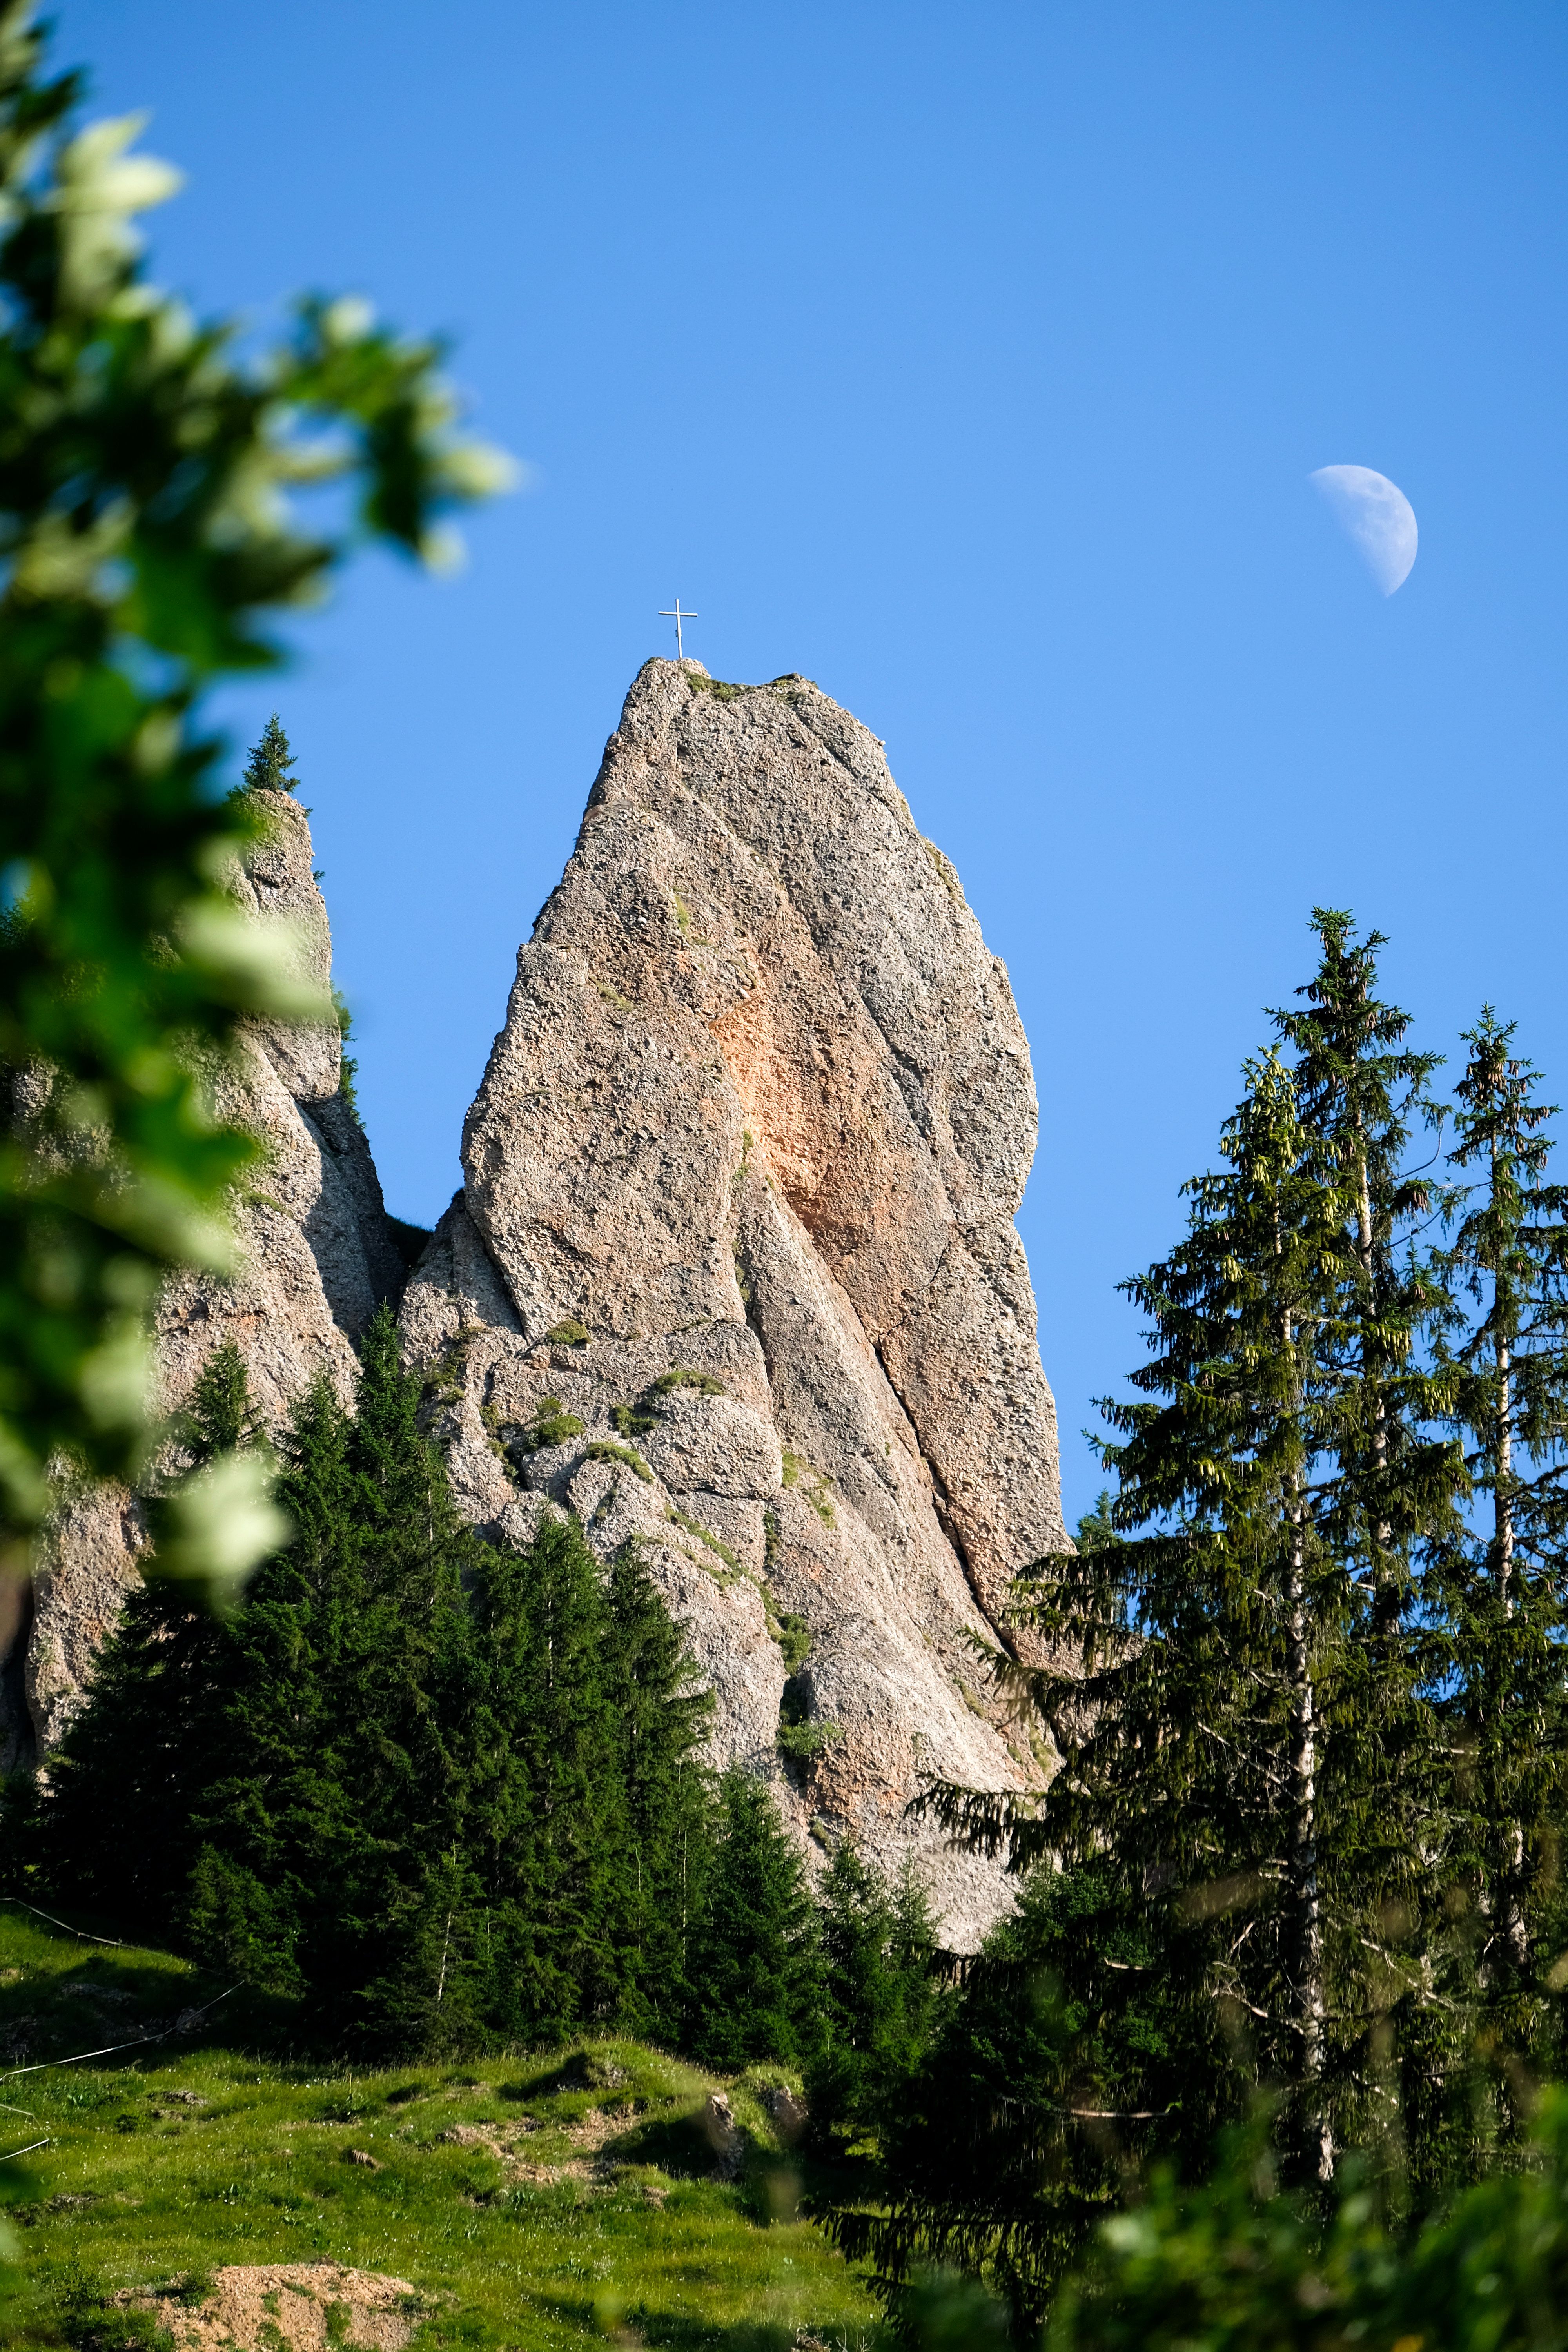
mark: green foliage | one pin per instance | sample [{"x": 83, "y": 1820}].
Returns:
[
  {"x": 794, "y": 1638},
  {"x": 348, "y": 1068},
  {"x": 801, "y": 1735},
  {"x": 633, "y": 1420},
  {"x": 1239, "y": 2267},
  {"x": 267, "y": 769},
  {"x": 551, "y": 1425},
  {"x": 148, "y": 539},
  {"x": 568, "y": 1333},
  {"x": 604, "y": 1449},
  {"x": 1252, "y": 1732},
  {"x": 721, "y": 1550},
  {"x": 116, "y": 1837},
  {"x": 435, "y": 1791},
  {"x": 881, "y": 2000},
  {"x": 587, "y": 1816},
  {"x": 682, "y": 1376},
  {"x": 755, "y": 1970},
  {"x": 1038, "y": 2096},
  {"x": 1308, "y": 1693},
  {"x": 813, "y": 1484},
  {"x": 1495, "y": 1603}
]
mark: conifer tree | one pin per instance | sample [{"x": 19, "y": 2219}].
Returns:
[
  {"x": 1496, "y": 1588},
  {"x": 548, "y": 1809},
  {"x": 440, "y": 1793},
  {"x": 1254, "y": 1743},
  {"x": 1358, "y": 1090},
  {"x": 340, "y": 1797},
  {"x": 1389, "y": 1481},
  {"x": 267, "y": 769},
  {"x": 1007, "y": 2144},
  {"x": 755, "y": 1967},
  {"x": 657, "y": 1716},
  {"x": 1206, "y": 1773},
  {"x": 125, "y": 1781},
  {"x": 881, "y": 1997}
]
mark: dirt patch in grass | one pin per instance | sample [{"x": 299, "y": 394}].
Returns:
[{"x": 307, "y": 2307}]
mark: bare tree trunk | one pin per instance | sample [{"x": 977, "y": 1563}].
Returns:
[
  {"x": 1511, "y": 1922},
  {"x": 1385, "y": 1593},
  {"x": 1307, "y": 1957}
]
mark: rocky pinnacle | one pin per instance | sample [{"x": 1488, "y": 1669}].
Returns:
[{"x": 733, "y": 1273}]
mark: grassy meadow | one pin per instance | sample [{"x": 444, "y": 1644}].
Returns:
[{"x": 536, "y": 2199}]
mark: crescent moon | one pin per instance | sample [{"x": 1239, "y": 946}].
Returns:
[{"x": 1376, "y": 517}]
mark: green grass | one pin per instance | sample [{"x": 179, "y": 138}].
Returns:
[{"x": 532, "y": 2199}]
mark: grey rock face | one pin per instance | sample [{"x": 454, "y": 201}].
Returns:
[
  {"x": 316, "y": 1255},
  {"x": 738, "y": 1194}
]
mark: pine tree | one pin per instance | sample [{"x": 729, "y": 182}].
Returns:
[
  {"x": 881, "y": 1997},
  {"x": 325, "y": 1847},
  {"x": 1496, "y": 1588},
  {"x": 658, "y": 1717},
  {"x": 1010, "y": 2141},
  {"x": 1207, "y": 1734},
  {"x": 755, "y": 1971},
  {"x": 267, "y": 769},
  {"x": 115, "y": 1827},
  {"x": 548, "y": 1812}
]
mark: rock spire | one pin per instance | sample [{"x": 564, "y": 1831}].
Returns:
[
  {"x": 317, "y": 1252},
  {"x": 733, "y": 1273}
]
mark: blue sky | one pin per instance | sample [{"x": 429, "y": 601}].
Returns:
[{"x": 971, "y": 361}]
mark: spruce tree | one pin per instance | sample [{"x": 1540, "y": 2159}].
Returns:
[
  {"x": 267, "y": 769},
  {"x": 115, "y": 1826},
  {"x": 1359, "y": 1088},
  {"x": 658, "y": 1717},
  {"x": 1389, "y": 1483},
  {"x": 1007, "y": 2144},
  {"x": 755, "y": 1974},
  {"x": 881, "y": 1997},
  {"x": 1209, "y": 1732},
  {"x": 548, "y": 1808},
  {"x": 325, "y": 1847},
  {"x": 1496, "y": 1588}
]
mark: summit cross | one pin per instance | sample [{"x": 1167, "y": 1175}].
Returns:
[{"x": 678, "y": 616}]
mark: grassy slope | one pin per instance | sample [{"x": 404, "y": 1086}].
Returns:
[{"x": 137, "y": 2187}]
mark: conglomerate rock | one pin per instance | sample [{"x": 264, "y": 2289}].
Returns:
[
  {"x": 315, "y": 1253},
  {"x": 733, "y": 1272}
]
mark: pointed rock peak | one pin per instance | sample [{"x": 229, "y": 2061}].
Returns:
[{"x": 734, "y": 1274}]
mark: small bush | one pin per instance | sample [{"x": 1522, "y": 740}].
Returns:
[
  {"x": 682, "y": 1376},
  {"x": 551, "y": 1425},
  {"x": 794, "y": 1638},
  {"x": 603, "y": 1450}
]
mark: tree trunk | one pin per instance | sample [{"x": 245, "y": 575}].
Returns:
[
  {"x": 1385, "y": 1591},
  {"x": 1510, "y": 1919},
  {"x": 1307, "y": 1936}
]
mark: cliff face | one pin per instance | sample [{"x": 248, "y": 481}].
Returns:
[
  {"x": 733, "y": 1270},
  {"x": 317, "y": 1252}
]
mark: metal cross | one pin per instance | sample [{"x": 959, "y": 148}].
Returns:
[{"x": 678, "y": 616}]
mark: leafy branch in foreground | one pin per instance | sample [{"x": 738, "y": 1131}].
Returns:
[{"x": 146, "y": 540}]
